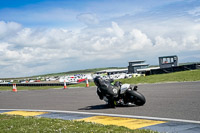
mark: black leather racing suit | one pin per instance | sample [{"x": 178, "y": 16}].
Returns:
[{"x": 105, "y": 88}]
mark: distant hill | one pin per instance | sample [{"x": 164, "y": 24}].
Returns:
[{"x": 93, "y": 70}]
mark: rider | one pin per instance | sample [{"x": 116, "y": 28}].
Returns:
[{"x": 107, "y": 89}]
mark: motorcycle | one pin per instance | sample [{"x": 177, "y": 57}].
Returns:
[{"x": 118, "y": 94}]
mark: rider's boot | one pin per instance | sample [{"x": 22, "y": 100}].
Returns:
[{"x": 112, "y": 103}]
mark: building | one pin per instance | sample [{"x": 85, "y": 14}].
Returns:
[
  {"x": 166, "y": 64},
  {"x": 134, "y": 65},
  {"x": 168, "y": 61}
]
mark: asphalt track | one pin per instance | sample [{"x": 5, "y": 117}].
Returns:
[{"x": 168, "y": 101}]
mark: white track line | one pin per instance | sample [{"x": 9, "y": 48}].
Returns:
[{"x": 115, "y": 115}]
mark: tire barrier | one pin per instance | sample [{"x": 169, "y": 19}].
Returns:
[{"x": 36, "y": 84}]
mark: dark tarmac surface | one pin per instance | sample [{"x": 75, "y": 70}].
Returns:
[{"x": 168, "y": 100}]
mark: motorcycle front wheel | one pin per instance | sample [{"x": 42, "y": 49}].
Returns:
[{"x": 137, "y": 98}]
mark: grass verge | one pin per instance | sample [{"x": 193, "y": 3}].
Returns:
[
  {"x": 193, "y": 75},
  {"x": 6, "y": 88},
  {"x": 20, "y": 124}
]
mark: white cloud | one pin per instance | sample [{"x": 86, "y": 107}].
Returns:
[
  {"x": 88, "y": 18},
  {"x": 195, "y": 11},
  {"x": 8, "y": 28},
  {"x": 30, "y": 51},
  {"x": 116, "y": 30},
  {"x": 140, "y": 40}
]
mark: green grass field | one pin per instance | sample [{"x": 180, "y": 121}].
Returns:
[{"x": 21, "y": 124}]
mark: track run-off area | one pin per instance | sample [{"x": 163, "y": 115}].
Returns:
[{"x": 170, "y": 107}]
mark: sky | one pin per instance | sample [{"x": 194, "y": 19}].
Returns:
[{"x": 50, "y": 36}]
